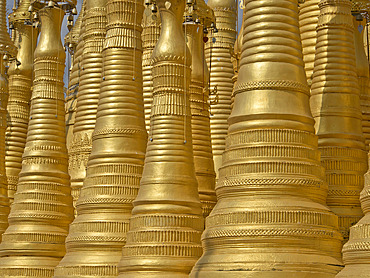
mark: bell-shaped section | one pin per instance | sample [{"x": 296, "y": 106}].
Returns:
[{"x": 271, "y": 219}]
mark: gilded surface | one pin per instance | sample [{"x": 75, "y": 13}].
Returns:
[
  {"x": 90, "y": 77},
  {"x": 42, "y": 209},
  {"x": 166, "y": 222},
  {"x": 7, "y": 49},
  {"x": 20, "y": 82},
  {"x": 218, "y": 57},
  {"x": 200, "y": 122},
  {"x": 335, "y": 105},
  {"x": 97, "y": 235},
  {"x": 270, "y": 219}
]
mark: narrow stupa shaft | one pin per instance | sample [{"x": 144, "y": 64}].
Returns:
[
  {"x": 42, "y": 209},
  {"x": 91, "y": 64},
  {"x": 362, "y": 69},
  {"x": 150, "y": 35},
  {"x": 166, "y": 222},
  {"x": 7, "y": 49},
  {"x": 200, "y": 126},
  {"x": 98, "y": 233},
  {"x": 76, "y": 39},
  {"x": 236, "y": 61},
  {"x": 20, "y": 82},
  {"x": 308, "y": 16},
  {"x": 335, "y": 105},
  {"x": 270, "y": 219},
  {"x": 218, "y": 57}
]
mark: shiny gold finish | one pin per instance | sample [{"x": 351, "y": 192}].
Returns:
[
  {"x": 75, "y": 41},
  {"x": 218, "y": 58},
  {"x": 362, "y": 67},
  {"x": 308, "y": 16},
  {"x": 7, "y": 49},
  {"x": 20, "y": 82},
  {"x": 150, "y": 35},
  {"x": 97, "y": 235},
  {"x": 335, "y": 105},
  {"x": 88, "y": 92},
  {"x": 270, "y": 219},
  {"x": 199, "y": 93},
  {"x": 42, "y": 209},
  {"x": 166, "y": 222},
  {"x": 356, "y": 251}
]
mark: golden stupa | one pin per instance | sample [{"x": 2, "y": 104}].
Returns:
[
  {"x": 20, "y": 75},
  {"x": 174, "y": 147},
  {"x": 42, "y": 209},
  {"x": 335, "y": 105}
]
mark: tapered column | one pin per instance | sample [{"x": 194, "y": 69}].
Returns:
[
  {"x": 356, "y": 252},
  {"x": 76, "y": 39},
  {"x": 166, "y": 222},
  {"x": 97, "y": 235},
  {"x": 150, "y": 35},
  {"x": 335, "y": 105},
  {"x": 42, "y": 209},
  {"x": 218, "y": 56},
  {"x": 7, "y": 49},
  {"x": 199, "y": 93},
  {"x": 362, "y": 67},
  {"x": 270, "y": 219},
  {"x": 88, "y": 92},
  {"x": 308, "y": 16},
  {"x": 235, "y": 59},
  {"x": 20, "y": 81}
]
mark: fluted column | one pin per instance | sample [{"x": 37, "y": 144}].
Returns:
[
  {"x": 308, "y": 16},
  {"x": 335, "y": 105},
  {"x": 200, "y": 126},
  {"x": 362, "y": 69},
  {"x": 88, "y": 92},
  {"x": 7, "y": 49},
  {"x": 150, "y": 35},
  {"x": 20, "y": 82},
  {"x": 218, "y": 56},
  {"x": 270, "y": 219},
  {"x": 97, "y": 235},
  {"x": 166, "y": 222},
  {"x": 42, "y": 209},
  {"x": 76, "y": 39}
]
